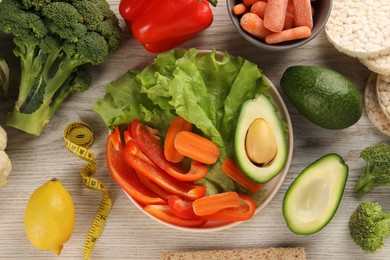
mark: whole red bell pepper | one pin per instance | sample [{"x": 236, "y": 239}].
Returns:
[{"x": 162, "y": 25}]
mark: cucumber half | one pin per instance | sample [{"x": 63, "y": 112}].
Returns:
[{"x": 314, "y": 196}]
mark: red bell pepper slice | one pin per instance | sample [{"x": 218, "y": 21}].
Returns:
[
  {"x": 127, "y": 136},
  {"x": 151, "y": 146},
  {"x": 181, "y": 207},
  {"x": 164, "y": 213},
  {"x": 245, "y": 211},
  {"x": 125, "y": 175},
  {"x": 134, "y": 157},
  {"x": 153, "y": 187}
]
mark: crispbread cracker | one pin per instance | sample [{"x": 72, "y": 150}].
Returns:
[
  {"x": 380, "y": 64},
  {"x": 383, "y": 95},
  {"x": 360, "y": 28},
  {"x": 373, "y": 110},
  {"x": 285, "y": 253}
]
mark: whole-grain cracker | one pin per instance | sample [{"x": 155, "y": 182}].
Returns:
[
  {"x": 285, "y": 253},
  {"x": 380, "y": 64},
  {"x": 372, "y": 108},
  {"x": 360, "y": 28}
]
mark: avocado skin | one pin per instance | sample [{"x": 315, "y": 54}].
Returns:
[{"x": 323, "y": 96}]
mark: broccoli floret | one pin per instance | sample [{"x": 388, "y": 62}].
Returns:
[
  {"x": 368, "y": 225},
  {"x": 377, "y": 170},
  {"x": 36, "y": 4},
  {"x": 53, "y": 40}
]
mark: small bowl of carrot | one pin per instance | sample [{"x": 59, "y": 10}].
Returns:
[{"x": 279, "y": 24}]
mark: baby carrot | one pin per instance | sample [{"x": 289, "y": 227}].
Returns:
[
  {"x": 211, "y": 204},
  {"x": 288, "y": 35},
  {"x": 302, "y": 13},
  {"x": 289, "y": 21},
  {"x": 178, "y": 124},
  {"x": 290, "y": 7},
  {"x": 231, "y": 169},
  {"x": 253, "y": 24},
  {"x": 196, "y": 147},
  {"x": 239, "y": 9},
  {"x": 258, "y": 8},
  {"x": 249, "y": 2},
  {"x": 274, "y": 15}
]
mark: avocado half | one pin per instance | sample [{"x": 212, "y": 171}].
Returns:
[
  {"x": 314, "y": 196},
  {"x": 260, "y": 108}
]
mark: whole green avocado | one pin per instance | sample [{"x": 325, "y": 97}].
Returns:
[{"x": 324, "y": 96}]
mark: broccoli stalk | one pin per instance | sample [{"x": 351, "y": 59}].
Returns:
[
  {"x": 53, "y": 40},
  {"x": 368, "y": 226},
  {"x": 77, "y": 82},
  {"x": 377, "y": 170},
  {"x": 4, "y": 76}
]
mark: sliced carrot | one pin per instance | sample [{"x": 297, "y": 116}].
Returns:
[
  {"x": 249, "y": 2},
  {"x": 302, "y": 13},
  {"x": 196, "y": 147},
  {"x": 233, "y": 171},
  {"x": 288, "y": 35},
  {"x": 274, "y": 15},
  {"x": 211, "y": 204},
  {"x": 258, "y": 8},
  {"x": 178, "y": 124},
  {"x": 239, "y": 9},
  {"x": 245, "y": 211},
  {"x": 253, "y": 24}
]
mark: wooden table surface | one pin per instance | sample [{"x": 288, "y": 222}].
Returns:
[{"x": 129, "y": 234}]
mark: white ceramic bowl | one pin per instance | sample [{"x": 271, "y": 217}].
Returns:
[{"x": 271, "y": 187}]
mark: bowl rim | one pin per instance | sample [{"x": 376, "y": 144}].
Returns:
[
  {"x": 277, "y": 47},
  {"x": 278, "y": 101}
]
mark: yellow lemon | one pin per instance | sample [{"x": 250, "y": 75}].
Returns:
[{"x": 49, "y": 217}]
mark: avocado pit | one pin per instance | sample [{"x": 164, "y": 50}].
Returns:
[{"x": 260, "y": 142}]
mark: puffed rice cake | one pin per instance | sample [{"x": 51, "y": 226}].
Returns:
[
  {"x": 360, "y": 28},
  {"x": 380, "y": 64},
  {"x": 372, "y": 107},
  {"x": 383, "y": 94}
]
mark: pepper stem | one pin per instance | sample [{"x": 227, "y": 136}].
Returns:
[{"x": 212, "y": 2}]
